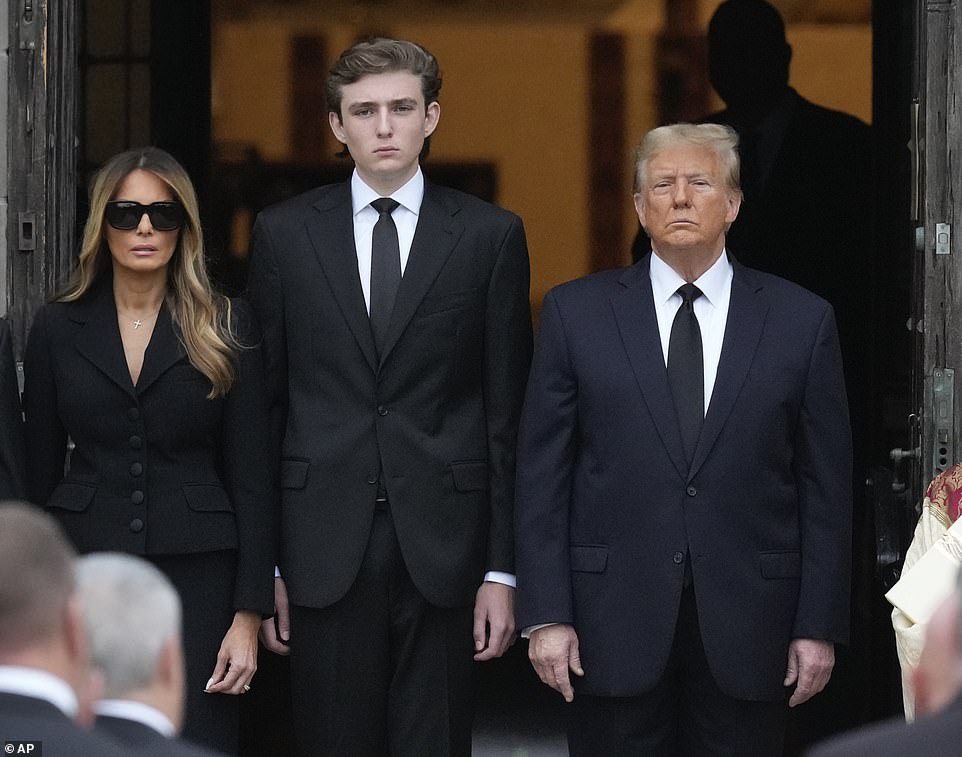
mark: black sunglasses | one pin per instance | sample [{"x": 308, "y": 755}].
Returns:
[{"x": 164, "y": 216}]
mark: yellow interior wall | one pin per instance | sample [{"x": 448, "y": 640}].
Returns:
[{"x": 516, "y": 94}]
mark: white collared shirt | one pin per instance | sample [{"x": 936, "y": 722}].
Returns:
[
  {"x": 39, "y": 684},
  {"x": 711, "y": 309},
  {"x": 127, "y": 709},
  {"x": 405, "y": 217}
]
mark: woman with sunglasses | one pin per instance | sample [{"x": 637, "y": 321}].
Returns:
[{"x": 158, "y": 383}]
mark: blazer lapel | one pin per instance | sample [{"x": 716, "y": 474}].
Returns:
[
  {"x": 747, "y": 311},
  {"x": 634, "y": 310},
  {"x": 331, "y": 232},
  {"x": 436, "y": 236},
  {"x": 163, "y": 350},
  {"x": 98, "y": 339}
]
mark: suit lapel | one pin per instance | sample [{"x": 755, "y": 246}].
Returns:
[
  {"x": 634, "y": 310},
  {"x": 747, "y": 311},
  {"x": 163, "y": 350},
  {"x": 98, "y": 339},
  {"x": 331, "y": 231},
  {"x": 436, "y": 235}
]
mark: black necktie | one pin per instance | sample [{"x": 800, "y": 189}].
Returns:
[
  {"x": 385, "y": 269},
  {"x": 686, "y": 372}
]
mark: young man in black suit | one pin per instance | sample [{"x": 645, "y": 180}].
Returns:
[
  {"x": 46, "y": 688},
  {"x": 397, "y": 337},
  {"x": 132, "y": 614}
]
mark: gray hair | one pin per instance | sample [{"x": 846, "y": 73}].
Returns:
[
  {"x": 723, "y": 140},
  {"x": 130, "y": 610},
  {"x": 36, "y": 576}
]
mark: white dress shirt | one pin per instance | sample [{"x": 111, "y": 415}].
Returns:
[
  {"x": 711, "y": 309},
  {"x": 127, "y": 709},
  {"x": 31, "y": 682}
]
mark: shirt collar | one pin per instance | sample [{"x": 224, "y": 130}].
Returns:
[
  {"x": 409, "y": 196},
  {"x": 127, "y": 709},
  {"x": 39, "y": 684},
  {"x": 712, "y": 283}
]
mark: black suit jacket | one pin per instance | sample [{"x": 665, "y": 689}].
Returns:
[
  {"x": 29, "y": 719},
  {"x": 156, "y": 469},
  {"x": 141, "y": 739},
  {"x": 12, "y": 476},
  {"x": 438, "y": 411},
  {"x": 607, "y": 507},
  {"x": 936, "y": 735}
]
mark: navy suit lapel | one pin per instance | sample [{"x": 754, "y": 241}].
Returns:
[
  {"x": 331, "y": 232},
  {"x": 747, "y": 311},
  {"x": 163, "y": 350},
  {"x": 98, "y": 339},
  {"x": 436, "y": 235},
  {"x": 634, "y": 310}
]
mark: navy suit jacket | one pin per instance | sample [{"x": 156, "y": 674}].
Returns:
[
  {"x": 142, "y": 740},
  {"x": 437, "y": 412},
  {"x": 25, "y": 718},
  {"x": 607, "y": 507}
]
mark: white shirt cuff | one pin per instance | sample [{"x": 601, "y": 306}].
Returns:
[
  {"x": 498, "y": 577},
  {"x": 526, "y": 632}
]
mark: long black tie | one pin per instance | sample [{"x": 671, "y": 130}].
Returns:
[
  {"x": 385, "y": 269},
  {"x": 686, "y": 372}
]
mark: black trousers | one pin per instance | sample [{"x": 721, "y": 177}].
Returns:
[
  {"x": 205, "y": 582},
  {"x": 382, "y": 671},
  {"x": 685, "y": 715}
]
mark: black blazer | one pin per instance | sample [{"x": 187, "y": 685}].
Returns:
[
  {"x": 29, "y": 719},
  {"x": 439, "y": 409},
  {"x": 143, "y": 740},
  {"x": 156, "y": 469},
  {"x": 935, "y": 735},
  {"x": 607, "y": 507},
  {"x": 13, "y": 484}
]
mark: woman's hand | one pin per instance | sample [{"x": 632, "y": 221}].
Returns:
[{"x": 237, "y": 658}]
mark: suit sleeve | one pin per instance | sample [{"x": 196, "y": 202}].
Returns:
[
  {"x": 46, "y": 438},
  {"x": 12, "y": 475},
  {"x": 266, "y": 296},
  {"x": 248, "y": 471},
  {"x": 507, "y": 358},
  {"x": 546, "y": 458},
  {"x": 823, "y": 475}
]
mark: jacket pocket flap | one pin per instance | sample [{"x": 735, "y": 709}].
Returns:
[
  {"x": 780, "y": 564},
  {"x": 470, "y": 477},
  {"x": 207, "y": 498},
  {"x": 589, "y": 558},
  {"x": 450, "y": 301},
  {"x": 72, "y": 496},
  {"x": 294, "y": 473}
]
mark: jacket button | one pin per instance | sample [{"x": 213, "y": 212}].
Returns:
[
  {"x": 678, "y": 558},
  {"x": 137, "y": 497},
  {"x": 381, "y": 410},
  {"x": 133, "y": 414},
  {"x": 691, "y": 491},
  {"x": 372, "y": 480},
  {"x": 136, "y": 525},
  {"x": 136, "y": 469},
  {"x": 136, "y": 442}
]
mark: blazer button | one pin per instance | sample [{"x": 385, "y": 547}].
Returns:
[
  {"x": 678, "y": 558},
  {"x": 136, "y": 442},
  {"x": 137, "y": 497},
  {"x": 136, "y": 469},
  {"x": 372, "y": 480},
  {"x": 133, "y": 414},
  {"x": 381, "y": 410},
  {"x": 136, "y": 525},
  {"x": 691, "y": 491}
]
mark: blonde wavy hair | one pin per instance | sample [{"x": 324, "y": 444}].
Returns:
[{"x": 202, "y": 316}]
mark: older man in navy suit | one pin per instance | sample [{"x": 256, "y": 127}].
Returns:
[{"x": 684, "y": 482}]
